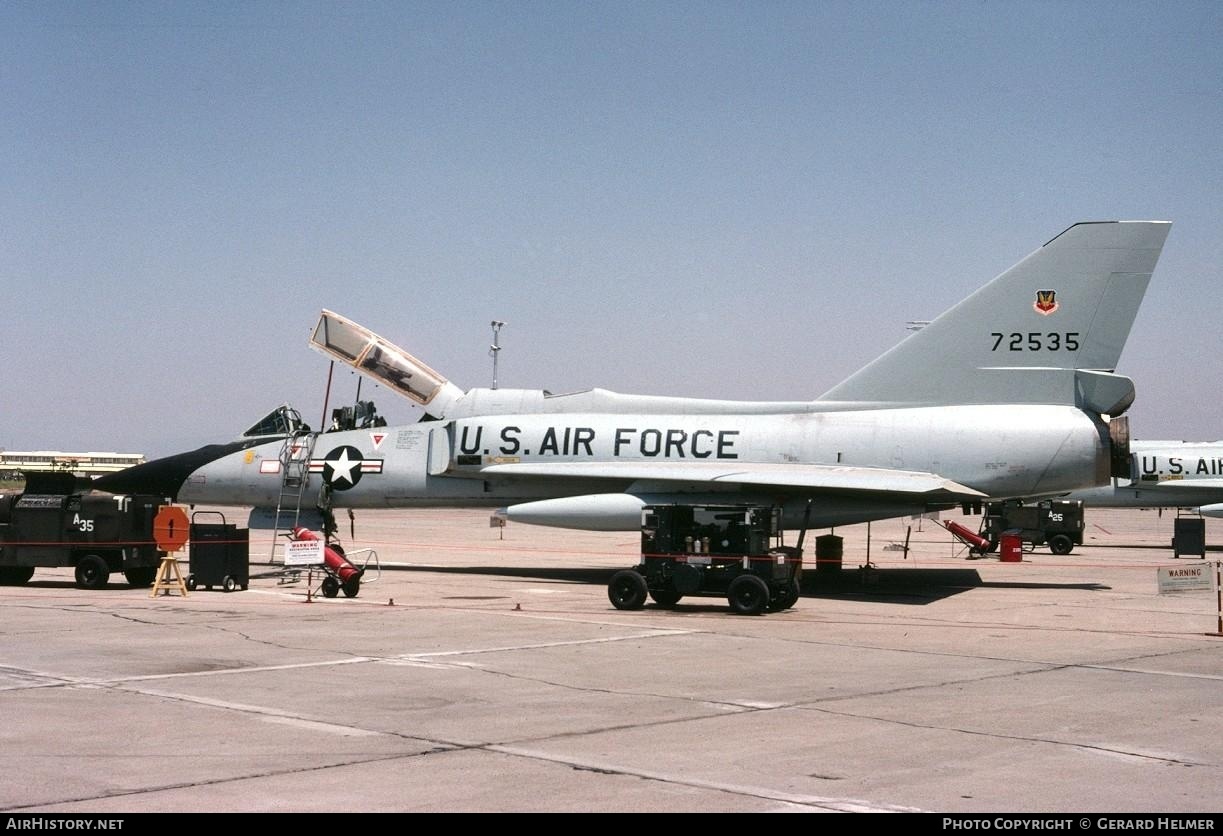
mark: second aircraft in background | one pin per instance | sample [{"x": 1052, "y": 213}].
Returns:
[{"x": 1166, "y": 474}]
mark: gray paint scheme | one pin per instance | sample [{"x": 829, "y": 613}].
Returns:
[{"x": 951, "y": 414}]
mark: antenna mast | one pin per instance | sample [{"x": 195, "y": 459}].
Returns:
[{"x": 495, "y": 349}]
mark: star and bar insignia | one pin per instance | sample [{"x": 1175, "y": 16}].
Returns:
[{"x": 344, "y": 466}]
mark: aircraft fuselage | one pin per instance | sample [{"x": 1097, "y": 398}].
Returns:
[{"x": 1029, "y": 450}]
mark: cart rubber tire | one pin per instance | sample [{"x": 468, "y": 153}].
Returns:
[
  {"x": 141, "y": 575},
  {"x": 787, "y": 598},
  {"x": 191, "y": 583},
  {"x": 228, "y": 584},
  {"x": 15, "y": 575},
  {"x": 627, "y": 590},
  {"x": 748, "y": 595},
  {"x": 668, "y": 597},
  {"x": 351, "y": 588},
  {"x": 1061, "y": 544},
  {"x": 92, "y": 572},
  {"x": 331, "y": 587}
]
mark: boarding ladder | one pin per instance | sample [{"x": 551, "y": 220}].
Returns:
[{"x": 295, "y": 455}]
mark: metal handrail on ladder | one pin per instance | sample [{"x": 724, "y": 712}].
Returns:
[{"x": 295, "y": 455}]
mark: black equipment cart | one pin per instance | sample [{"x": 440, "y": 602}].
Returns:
[{"x": 711, "y": 549}]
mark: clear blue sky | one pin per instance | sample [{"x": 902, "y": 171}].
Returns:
[{"x": 742, "y": 200}]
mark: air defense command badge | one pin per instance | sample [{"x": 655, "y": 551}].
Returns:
[{"x": 1046, "y": 302}]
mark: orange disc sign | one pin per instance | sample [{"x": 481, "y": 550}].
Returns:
[{"x": 170, "y": 528}]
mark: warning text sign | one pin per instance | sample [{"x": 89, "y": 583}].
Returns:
[
  {"x": 304, "y": 553},
  {"x": 1196, "y": 578}
]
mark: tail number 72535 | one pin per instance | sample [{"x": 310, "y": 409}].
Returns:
[{"x": 1036, "y": 341}]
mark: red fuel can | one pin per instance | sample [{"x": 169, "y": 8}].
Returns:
[{"x": 1010, "y": 548}]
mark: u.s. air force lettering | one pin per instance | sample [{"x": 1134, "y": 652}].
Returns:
[
  {"x": 342, "y": 467},
  {"x": 621, "y": 442}
]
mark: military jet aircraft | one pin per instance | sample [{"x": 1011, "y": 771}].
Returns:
[
  {"x": 1010, "y": 393},
  {"x": 1166, "y": 474}
]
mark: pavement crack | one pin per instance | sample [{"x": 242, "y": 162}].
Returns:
[
  {"x": 739, "y": 790},
  {"x": 271, "y": 773},
  {"x": 83, "y": 608},
  {"x": 901, "y": 689},
  {"x": 232, "y": 631},
  {"x": 1001, "y": 736},
  {"x": 272, "y": 714},
  {"x": 133, "y": 619},
  {"x": 590, "y": 689},
  {"x": 947, "y": 654}
]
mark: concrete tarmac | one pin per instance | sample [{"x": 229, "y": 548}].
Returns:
[{"x": 501, "y": 679}]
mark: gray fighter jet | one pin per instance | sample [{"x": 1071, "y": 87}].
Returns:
[{"x": 1010, "y": 393}]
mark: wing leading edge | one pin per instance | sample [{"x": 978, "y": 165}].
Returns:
[{"x": 815, "y": 478}]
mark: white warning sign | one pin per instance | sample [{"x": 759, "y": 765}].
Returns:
[
  {"x": 304, "y": 553},
  {"x": 1195, "y": 578}
]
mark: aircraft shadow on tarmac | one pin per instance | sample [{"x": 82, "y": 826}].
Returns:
[
  {"x": 912, "y": 586},
  {"x": 899, "y": 586}
]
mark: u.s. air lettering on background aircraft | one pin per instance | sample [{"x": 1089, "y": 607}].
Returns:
[
  {"x": 1010, "y": 393},
  {"x": 1178, "y": 465},
  {"x": 1166, "y": 474}
]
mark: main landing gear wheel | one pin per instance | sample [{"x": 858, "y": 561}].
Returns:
[
  {"x": 627, "y": 590},
  {"x": 748, "y": 595},
  {"x": 92, "y": 572},
  {"x": 331, "y": 587}
]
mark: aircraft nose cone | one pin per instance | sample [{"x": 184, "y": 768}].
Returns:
[{"x": 166, "y": 476}]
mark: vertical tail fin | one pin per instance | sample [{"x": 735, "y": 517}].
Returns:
[{"x": 1048, "y": 330}]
